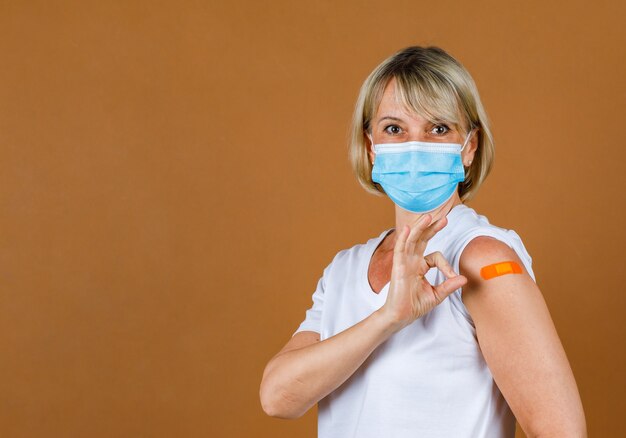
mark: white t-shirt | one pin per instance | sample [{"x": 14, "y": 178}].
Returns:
[{"x": 428, "y": 380}]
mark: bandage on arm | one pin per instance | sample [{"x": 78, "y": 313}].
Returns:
[{"x": 501, "y": 268}]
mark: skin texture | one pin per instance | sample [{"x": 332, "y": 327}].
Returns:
[
  {"x": 520, "y": 344},
  {"x": 307, "y": 369},
  {"x": 513, "y": 325}
]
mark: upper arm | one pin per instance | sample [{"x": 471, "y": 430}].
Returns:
[{"x": 519, "y": 342}]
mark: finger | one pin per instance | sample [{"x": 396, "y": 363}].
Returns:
[
  {"x": 449, "y": 286},
  {"x": 434, "y": 228},
  {"x": 429, "y": 233},
  {"x": 417, "y": 228},
  {"x": 401, "y": 240},
  {"x": 436, "y": 259}
]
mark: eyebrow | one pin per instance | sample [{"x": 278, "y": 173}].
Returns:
[
  {"x": 390, "y": 118},
  {"x": 433, "y": 122}
]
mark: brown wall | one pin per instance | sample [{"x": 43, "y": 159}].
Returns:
[{"x": 174, "y": 178}]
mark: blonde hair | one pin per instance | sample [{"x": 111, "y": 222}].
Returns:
[{"x": 436, "y": 86}]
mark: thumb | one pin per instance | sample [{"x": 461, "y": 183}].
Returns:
[{"x": 450, "y": 285}]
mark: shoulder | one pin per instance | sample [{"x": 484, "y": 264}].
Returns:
[
  {"x": 361, "y": 249},
  {"x": 473, "y": 240},
  {"x": 464, "y": 221},
  {"x": 485, "y": 296},
  {"x": 349, "y": 257},
  {"x": 484, "y": 250},
  {"x": 486, "y": 246},
  {"x": 479, "y": 254}
]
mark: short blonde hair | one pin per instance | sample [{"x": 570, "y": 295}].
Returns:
[{"x": 436, "y": 86}]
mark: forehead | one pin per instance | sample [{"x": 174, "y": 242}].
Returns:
[
  {"x": 402, "y": 99},
  {"x": 392, "y": 104}
]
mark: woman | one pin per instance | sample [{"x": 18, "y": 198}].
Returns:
[{"x": 394, "y": 348}]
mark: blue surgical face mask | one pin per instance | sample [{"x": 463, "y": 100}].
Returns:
[{"x": 419, "y": 176}]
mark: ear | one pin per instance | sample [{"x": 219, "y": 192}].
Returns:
[{"x": 470, "y": 148}]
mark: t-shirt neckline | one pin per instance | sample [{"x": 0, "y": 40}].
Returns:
[{"x": 381, "y": 296}]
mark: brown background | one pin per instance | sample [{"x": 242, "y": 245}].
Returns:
[{"x": 174, "y": 178}]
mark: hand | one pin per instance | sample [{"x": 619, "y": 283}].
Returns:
[{"x": 410, "y": 294}]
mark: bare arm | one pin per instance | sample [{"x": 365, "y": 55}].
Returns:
[
  {"x": 520, "y": 344},
  {"x": 307, "y": 369}
]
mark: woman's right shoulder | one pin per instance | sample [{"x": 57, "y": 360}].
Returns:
[{"x": 356, "y": 253}]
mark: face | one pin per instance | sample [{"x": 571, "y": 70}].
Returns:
[{"x": 393, "y": 124}]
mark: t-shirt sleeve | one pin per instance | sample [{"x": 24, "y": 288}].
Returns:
[
  {"x": 313, "y": 318},
  {"x": 510, "y": 237}
]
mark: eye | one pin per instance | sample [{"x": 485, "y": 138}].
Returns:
[
  {"x": 393, "y": 130},
  {"x": 440, "y": 129}
]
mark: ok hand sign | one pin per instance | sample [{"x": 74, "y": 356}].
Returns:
[{"x": 410, "y": 294}]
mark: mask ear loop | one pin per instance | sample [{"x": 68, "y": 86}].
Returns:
[
  {"x": 370, "y": 136},
  {"x": 469, "y": 135}
]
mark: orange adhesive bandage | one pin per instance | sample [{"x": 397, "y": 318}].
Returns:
[{"x": 498, "y": 269}]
